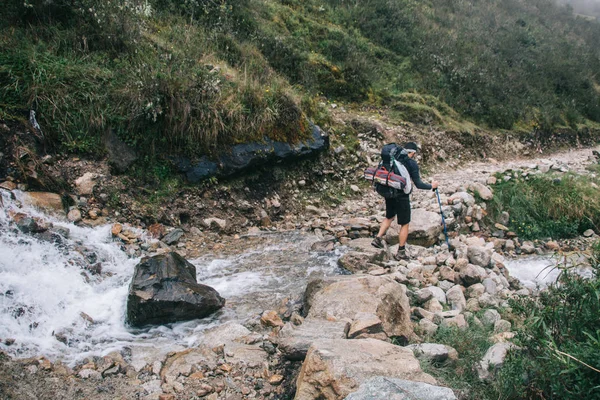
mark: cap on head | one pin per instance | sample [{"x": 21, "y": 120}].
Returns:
[{"x": 411, "y": 147}]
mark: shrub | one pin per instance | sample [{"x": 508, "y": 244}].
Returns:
[
  {"x": 559, "y": 342},
  {"x": 546, "y": 206},
  {"x": 172, "y": 94},
  {"x": 471, "y": 345}
]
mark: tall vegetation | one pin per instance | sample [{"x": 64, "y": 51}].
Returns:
[
  {"x": 499, "y": 62},
  {"x": 557, "y": 345},
  {"x": 559, "y": 341},
  {"x": 197, "y": 76},
  {"x": 155, "y": 73},
  {"x": 543, "y": 206}
]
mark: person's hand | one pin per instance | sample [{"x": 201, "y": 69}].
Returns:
[{"x": 434, "y": 185}]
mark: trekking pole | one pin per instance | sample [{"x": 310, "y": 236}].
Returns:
[{"x": 442, "y": 214}]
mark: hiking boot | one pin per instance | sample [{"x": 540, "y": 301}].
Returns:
[
  {"x": 378, "y": 242},
  {"x": 401, "y": 255}
]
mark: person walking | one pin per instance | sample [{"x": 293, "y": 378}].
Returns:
[{"x": 400, "y": 206}]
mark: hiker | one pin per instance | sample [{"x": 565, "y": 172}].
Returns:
[{"x": 400, "y": 206}]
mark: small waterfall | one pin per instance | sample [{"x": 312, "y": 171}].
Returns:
[{"x": 66, "y": 299}]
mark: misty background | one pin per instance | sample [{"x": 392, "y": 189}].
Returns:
[{"x": 584, "y": 7}]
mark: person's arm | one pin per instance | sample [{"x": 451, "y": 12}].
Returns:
[{"x": 416, "y": 177}]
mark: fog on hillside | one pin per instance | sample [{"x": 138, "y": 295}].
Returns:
[{"x": 585, "y": 7}]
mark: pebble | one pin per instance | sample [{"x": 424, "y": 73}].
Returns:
[{"x": 276, "y": 379}]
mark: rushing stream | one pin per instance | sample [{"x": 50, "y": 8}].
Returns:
[
  {"x": 538, "y": 272},
  {"x": 51, "y": 305}
]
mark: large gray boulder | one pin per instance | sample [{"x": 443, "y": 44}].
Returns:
[
  {"x": 164, "y": 289},
  {"x": 335, "y": 368},
  {"x": 425, "y": 227},
  {"x": 351, "y": 297},
  {"x": 382, "y": 387}
]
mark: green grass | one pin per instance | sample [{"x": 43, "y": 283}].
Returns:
[
  {"x": 546, "y": 206},
  {"x": 559, "y": 341},
  {"x": 196, "y": 77},
  {"x": 174, "y": 93},
  {"x": 471, "y": 345},
  {"x": 558, "y": 346}
]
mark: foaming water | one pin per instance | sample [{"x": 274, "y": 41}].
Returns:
[
  {"x": 541, "y": 271},
  {"x": 52, "y": 305},
  {"x": 261, "y": 279},
  {"x": 46, "y": 295},
  {"x": 533, "y": 271}
]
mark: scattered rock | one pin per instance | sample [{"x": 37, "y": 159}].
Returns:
[
  {"x": 173, "y": 236},
  {"x": 493, "y": 360},
  {"x": 48, "y": 202},
  {"x": 8, "y": 185},
  {"x": 220, "y": 224},
  {"x": 120, "y": 155},
  {"x": 84, "y": 185},
  {"x": 479, "y": 255},
  {"x": 116, "y": 229},
  {"x": 482, "y": 191},
  {"x": 271, "y": 319},
  {"x": 74, "y": 215},
  {"x": 433, "y": 352}
]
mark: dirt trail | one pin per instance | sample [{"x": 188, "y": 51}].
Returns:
[{"x": 574, "y": 160}]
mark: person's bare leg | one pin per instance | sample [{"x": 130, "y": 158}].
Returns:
[
  {"x": 385, "y": 225},
  {"x": 403, "y": 235}
]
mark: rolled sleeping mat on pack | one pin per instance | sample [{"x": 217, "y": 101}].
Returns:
[
  {"x": 370, "y": 173},
  {"x": 384, "y": 177}
]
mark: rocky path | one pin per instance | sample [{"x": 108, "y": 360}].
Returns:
[
  {"x": 575, "y": 160},
  {"x": 438, "y": 287}
]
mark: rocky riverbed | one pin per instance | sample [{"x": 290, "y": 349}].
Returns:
[{"x": 305, "y": 344}]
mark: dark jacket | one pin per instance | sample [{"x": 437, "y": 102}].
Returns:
[{"x": 413, "y": 169}]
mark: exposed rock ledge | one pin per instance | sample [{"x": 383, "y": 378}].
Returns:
[{"x": 247, "y": 155}]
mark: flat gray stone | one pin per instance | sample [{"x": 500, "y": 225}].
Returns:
[
  {"x": 430, "y": 351},
  {"x": 294, "y": 340},
  {"x": 173, "y": 236},
  {"x": 381, "y": 387}
]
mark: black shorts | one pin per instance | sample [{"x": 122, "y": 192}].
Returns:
[{"x": 398, "y": 207}]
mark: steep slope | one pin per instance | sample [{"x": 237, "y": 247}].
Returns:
[{"x": 197, "y": 77}]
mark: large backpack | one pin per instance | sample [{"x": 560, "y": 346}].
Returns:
[{"x": 391, "y": 178}]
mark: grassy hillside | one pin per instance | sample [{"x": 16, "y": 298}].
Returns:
[{"x": 197, "y": 76}]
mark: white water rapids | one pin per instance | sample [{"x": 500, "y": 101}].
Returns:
[
  {"x": 538, "y": 272},
  {"x": 46, "y": 293},
  {"x": 533, "y": 271}
]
